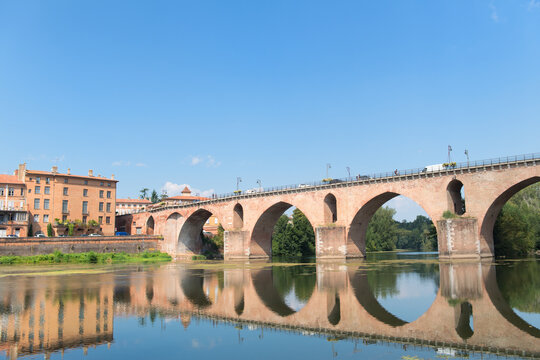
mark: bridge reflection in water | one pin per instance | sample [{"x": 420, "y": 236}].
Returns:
[{"x": 47, "y": 314}]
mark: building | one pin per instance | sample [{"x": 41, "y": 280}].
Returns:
[
  {"x": 185, "y": 198},
  {"x": 130, "y": 206},
  {"x": 13, "y": 206},
  {"x": 50, "y": 197}
]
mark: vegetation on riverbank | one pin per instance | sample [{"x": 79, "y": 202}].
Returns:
[
  {"x": 517, "y": 229},
  {"x": 86, "y": 258},
  {"x": 293, "y": 238}
]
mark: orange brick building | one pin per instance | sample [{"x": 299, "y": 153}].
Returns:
[{"x": 51, "y": 197}]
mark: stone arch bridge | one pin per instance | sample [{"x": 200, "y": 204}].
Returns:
[{"x": 340, "y": 212}]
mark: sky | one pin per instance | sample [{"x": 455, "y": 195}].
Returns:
[{"x": 168, "y": 93}]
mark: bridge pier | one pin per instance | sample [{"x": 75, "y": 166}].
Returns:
[
  {"x": 459, "y": 238},
  {"x": 235, "y": 244},
  {"x": 331, "y": 242}
]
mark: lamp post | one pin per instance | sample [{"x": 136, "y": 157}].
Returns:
[
  {"x": 349, "y": 172},
  {"x": 260, "y": 186},
  {"x": 467, "y": 154},
  {"x": 238, "y": 181},
  {"x": 328, "y": 166},
  {"x": 449, "y": 151}
]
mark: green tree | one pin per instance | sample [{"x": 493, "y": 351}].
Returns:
[
  {"x": 144, "y": 193},
  {"x": 293, "y": 237},
  {"x": 154, "y": 197},
  {"x": 382, "y": 231},
  {"x": 50, "y": 230},
  {"x": 517, "y": 228}
]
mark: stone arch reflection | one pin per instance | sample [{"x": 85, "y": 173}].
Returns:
[
  {"x": 275, "y": 285},
  {"x": 192, "y": 285}
]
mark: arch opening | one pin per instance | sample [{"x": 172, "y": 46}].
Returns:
[
  {"x": 150, "y": 226},
  {"x": 465, "y": 325},
  {"x": 510, "y": 225},
  {"x": 190, "y": 237},
  {"x": 456, "y": 197},
  {"x": 238, "y": 217},
  {"x": 375, "y": 227},
  {"x": 278, "y": 232},
  {"x": 334, "y": 308},
  {"x": 285, "y": 290},
  {"x": 330, "y": 209}
]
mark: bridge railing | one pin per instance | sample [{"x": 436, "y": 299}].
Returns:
[{"x": 369, "y": 177}]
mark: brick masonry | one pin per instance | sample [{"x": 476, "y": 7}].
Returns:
[{"x": 40, "y": 246}]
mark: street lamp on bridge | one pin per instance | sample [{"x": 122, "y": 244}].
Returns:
[
  {"x": 467, "y": 154},
  {"x": 349, "y": 172},
  {"x": 238, "y": 181}
]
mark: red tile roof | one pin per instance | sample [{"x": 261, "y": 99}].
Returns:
[
  {"x": 139, "y": 201},
  {"x": 40, "y": 172},
  {"x": 186, "y": 191},
  {"x": 183, "y": 197},
  {"x": 9, "y": 179}
]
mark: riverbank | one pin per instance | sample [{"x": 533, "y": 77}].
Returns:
[{"x": 87, "y": 258}]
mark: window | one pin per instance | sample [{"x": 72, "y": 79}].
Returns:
[
  {"x": 100, "y": 219},
  {"x": 38, "y": 179},
  {"x": 85, "y": 192},
  {"x": 109, "y": 184},
  {"x": 101, "y": 193},
  {"x": 65, "y": 180},
  {"x": 36, "y": 218},
  {"x": 37, "y": 190},
  {"x": 65, "y": 191},
  {"x": 85, "y": 207},
  {"x": 108, "y": 207},
  {"x": 47, "y": 180},
  {"x": 100, "y": 206},
  {"x": 84, "y": 219},
  {"x": 45, "y": 204},
  {"x": 45, "y": 218},
  {"x": 22, "y": 192},
  {"x": 47, "y": 190},
  {"x": 2, "y": 191},
  {"x": 29, "y": 191},
  {"x": 85, "y": 182},
  {"x": 108, "y": 194},
  {"x": 11, "y": 191},
  {"x": 138, "y": 231},
  {"x": 215, "y": 221},
  {"x": 36, "y": 204},
  {"x": 65, "y": 206},
  {"x": 108, "y": 220},
  {"x": 101, "y": 183}
]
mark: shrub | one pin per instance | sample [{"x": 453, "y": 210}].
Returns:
[
  {"x": 449, "y": 215},
  {"x": 50, "y": 230}
]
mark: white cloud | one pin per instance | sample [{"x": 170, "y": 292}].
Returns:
[
  {"x": 207, "y": 160},
  {"x": 533, "y": 4},
  {"x": 494, "y": 15},
  {"x": 173, "y": 189},
  {"x": 141, "y": 165}
]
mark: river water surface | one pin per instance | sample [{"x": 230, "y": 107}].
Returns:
[{"x": 390, "y": 306}]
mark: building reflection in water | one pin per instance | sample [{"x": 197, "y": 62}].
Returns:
[{"x": 43, "y": 314}]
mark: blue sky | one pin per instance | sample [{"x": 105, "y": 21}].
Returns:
[{"x": 200, "y": 92}]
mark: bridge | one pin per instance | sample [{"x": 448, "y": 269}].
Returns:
[{"x": 340, "y": 210}]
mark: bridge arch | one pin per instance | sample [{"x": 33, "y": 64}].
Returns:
[
  {"x": 489, "y": 218},
  {"x": 456, "y": 200},
  {"x": 330, "y": 209},
  {"x": 261, "y": 235},
  {"x": 189, "y": 238},
  {"x": 356, "y": 237},
  {"x": 150, "y": 224},
  {"x": 238, "y": 216}
]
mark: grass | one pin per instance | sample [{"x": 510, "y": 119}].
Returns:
[{"x": 86, "y": 258}]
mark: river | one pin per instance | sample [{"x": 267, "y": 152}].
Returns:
[{"x": 389, "y": 306}]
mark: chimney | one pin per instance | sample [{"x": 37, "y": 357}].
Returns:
[
  {"x": 90, "y": 172},
  {"x": 54, "y": 169},
  {"x": 69, "y": 171},
  {"x": 22, "y": 172},
  {"x": 112, "y": 177}
]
